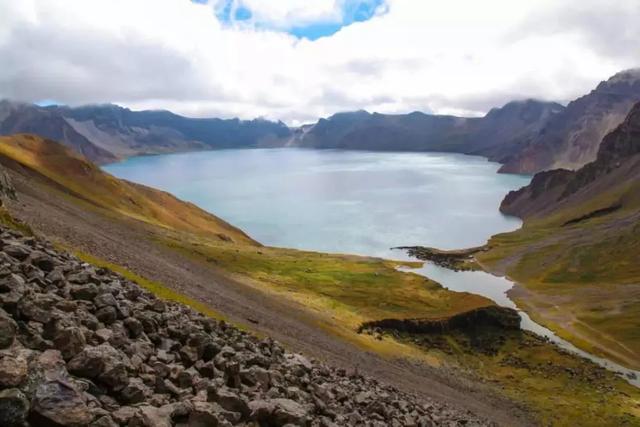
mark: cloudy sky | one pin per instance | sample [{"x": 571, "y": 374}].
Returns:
[{"x": 297, "y": 60}]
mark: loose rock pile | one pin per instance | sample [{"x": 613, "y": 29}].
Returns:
[{"x": 82, "y": 346}]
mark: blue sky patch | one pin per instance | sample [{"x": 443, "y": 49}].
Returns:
[{"x": 233, "y": 11}]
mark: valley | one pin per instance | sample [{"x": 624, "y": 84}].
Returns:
[
  {"x": 312, "y": 302},
  {"x": 576, "y": 257},
  {"x": 327, "y": 213}
]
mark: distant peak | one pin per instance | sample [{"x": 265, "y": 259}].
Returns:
[
  {"x": 523, "y": 105},
  {"x": 622, "y": 81},
  {"x": 350, "y": 114},
  {"x": 625, "y": 75}
]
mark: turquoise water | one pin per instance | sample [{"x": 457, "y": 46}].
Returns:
[
  {"x": 339, "y": 201},
  {"x": 354, "y": 202}
]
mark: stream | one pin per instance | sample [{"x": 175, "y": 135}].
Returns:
[
  {"x": 353, "y": 202},
  {"x": 495, "y": 288}
]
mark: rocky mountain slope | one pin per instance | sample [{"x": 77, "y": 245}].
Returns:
[
  {"x": 313, "y": 303},
  {"x": 576, "y": 256},
  {"x": 106, "y": 133},
  {"x": 571, "y": 139},
  {"x": 616, "y": 170},
  {"x": 495, "y": 135},
  {"x": 19, "y": 117},
  {"x": 82, "y": 346},
  {"x": 526, "y": 136},
  {"x": 281, "y": 293}
]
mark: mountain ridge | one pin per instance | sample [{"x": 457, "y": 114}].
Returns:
[
  {"x": 571, "y": 139},
  {"x": 575, "y": 259},
  {"x": 525, "y": 136}
]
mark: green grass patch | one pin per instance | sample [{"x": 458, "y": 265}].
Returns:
[
  {"x": 558, "y": 388},
  {"x": 9, "y": 221},
  {"x": 361, "y": 288}
]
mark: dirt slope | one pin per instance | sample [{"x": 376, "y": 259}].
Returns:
[{"x": 80, "y": 221}]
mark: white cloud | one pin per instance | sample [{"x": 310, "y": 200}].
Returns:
[
  {"x": 286, "y": 13},
  {"x": 462, "y": 56}
]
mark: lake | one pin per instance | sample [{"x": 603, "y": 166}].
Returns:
[
  {"x": 353, "y": 202},
  {"x": 339, "y": 201}
]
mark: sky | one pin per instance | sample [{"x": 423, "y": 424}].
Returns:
[{"x": 298, "y": 60}]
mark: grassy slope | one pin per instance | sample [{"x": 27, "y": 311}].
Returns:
[
  {"x": 353, "y": 289},
  {"x": 90, "y": 183},
  {"x": 581, "y": 280},
  {"x": 340, "y": 290}
]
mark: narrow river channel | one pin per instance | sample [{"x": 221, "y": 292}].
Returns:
[{"x": 495, "y": 288}]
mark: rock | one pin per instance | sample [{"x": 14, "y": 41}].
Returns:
[
  {"x": 123, "y": 414},
  {"x": 362, "y": 398},
  {"x": 61, "y": 403},
  {"x": 228, "y": 400},
  {"x": 288, "y": 412},
  {"x": 43, "y": 261},
  {"x": 95, "y": 341},
  {"x": 107, "y": 315},
  {"x": 298, "y": 363},
  {"x": 56, "y": 276},
  {"x": 204, "y": 414},
  {"x": 135, "y": 391},
  {"x": 81, "y": 277},
  {"x": 188, "y": 355},
  {"x": 149, "y": 416},
  {"x": 70, "y": 341},
  {"x": 13, "y": 368},
  {"x": 278, "y": 412},
  {"x": 85, "y": 292},
  {"x": 8, "y": 329},
  {"x": 134, "y": 326},
  {"x": 158, "y": 306},
  {"x": 256, "y": 375},
  {"x": 14, "y": 408},
  {"x": 51, "y": 365},
  {"x": 103, "y": 335},
  {"x": 11, "y": 283},
  {"x": 102, "y": 362},
  {"x": 30, "y": 335},
  {"x": 104, "y": 300},
  {"x": 17, "y": 251},
  {"x": 104, "y": 421},
  {"x": 37, "y": 307}
]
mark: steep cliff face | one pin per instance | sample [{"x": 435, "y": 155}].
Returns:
[
  {"x": 575, "y": 259},
  {"x": 26, "y": 118},
  {"x": 503, "y": 131},
  {"x": 361, "y": 130},
  {"x": 617, "y": 165},
  {"x": 128, "y": 132},
  {"x": 495, "y": 135},
  {"x": 571, "y": 139},
  {"x": 106, "y": 133}
]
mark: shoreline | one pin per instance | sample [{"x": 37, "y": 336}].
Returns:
[{"x": 455, "y": 261}]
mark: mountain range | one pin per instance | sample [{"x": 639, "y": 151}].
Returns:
[
  {"x": 575, "y": 259},
  {"x": 107, "y": 133},
  {"x": 574, "y": 262},
  {"x": 526, "y": 136}
]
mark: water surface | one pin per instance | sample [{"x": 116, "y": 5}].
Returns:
[
  {"x": 339, "y": 201},
  {"x": 353, "y": 202}
]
